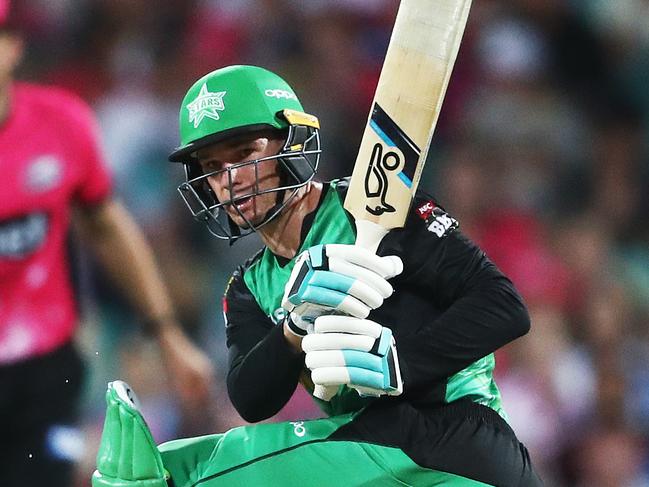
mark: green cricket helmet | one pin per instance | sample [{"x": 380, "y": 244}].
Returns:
[{"x": 232, "y": 101}]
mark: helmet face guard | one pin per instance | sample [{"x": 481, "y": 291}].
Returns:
[{"x": 297, "y": 165}]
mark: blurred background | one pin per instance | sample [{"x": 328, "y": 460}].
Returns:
[{"x": 541, "y": 153}]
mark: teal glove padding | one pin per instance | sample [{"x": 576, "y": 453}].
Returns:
[
  {"x": 357, "y": 352},
  {"x": 336, "y": 278}
]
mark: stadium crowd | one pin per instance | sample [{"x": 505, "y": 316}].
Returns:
[{"x": 541, "y": 153}]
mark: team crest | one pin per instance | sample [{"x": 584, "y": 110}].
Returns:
[
  {"x": 44, "y": 173},
  {"x": 206, "y": 104}
]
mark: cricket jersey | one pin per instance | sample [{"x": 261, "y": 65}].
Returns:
[
  {"x": 451, "y": 309},
  {"x": 49, "y": 160}
]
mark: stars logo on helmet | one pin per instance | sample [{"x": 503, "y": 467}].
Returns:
[{"x": 206, "y": 104}]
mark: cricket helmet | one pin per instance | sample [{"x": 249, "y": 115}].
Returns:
[{"x": 232, "y": 101}]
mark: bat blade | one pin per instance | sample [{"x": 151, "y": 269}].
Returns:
[
  {"x": 408, "y": 99},
  {"x": 425, "y": 41}
]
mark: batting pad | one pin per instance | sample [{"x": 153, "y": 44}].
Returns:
[{"x": 128, "y": 456}]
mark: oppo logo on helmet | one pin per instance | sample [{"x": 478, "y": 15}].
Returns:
[{"x": 279, "y": 94}]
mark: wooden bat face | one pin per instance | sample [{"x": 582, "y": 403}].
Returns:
[{"x": 408, "y": 99}]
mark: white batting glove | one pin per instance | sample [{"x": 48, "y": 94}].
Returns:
[
  {"x": 337, "y": 278},
  {"x": 357, "y": 352}
]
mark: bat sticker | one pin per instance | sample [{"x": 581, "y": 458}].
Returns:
[
  {"x": 382, "y": 161},
  {"x": 377, "y": 167}
]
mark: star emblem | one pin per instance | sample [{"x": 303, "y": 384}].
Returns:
[{"x": 206, "y": 104}]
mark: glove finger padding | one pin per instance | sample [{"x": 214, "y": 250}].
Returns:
[
  {"x": 330, "y": 289},
  {"x": 354, "y": 377},
  {"x": 300, "y": 320},
  {"x": 340, "y": 279},
  {"x": 347, "y": 324},
  {"x": 361, "y": 274},
  {"x": 337, "y": 341},
  {"x": 386, "y": 267},
  {"x": 343, "y": 358},
  {"x": 359, "y": 353}
]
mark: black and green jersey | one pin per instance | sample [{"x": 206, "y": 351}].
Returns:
[{"x": 451, "y": 309}]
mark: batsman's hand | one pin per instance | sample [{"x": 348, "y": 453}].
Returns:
[
  {"x": 337, "y": 279},
  {"x": 357, "y": 352}
]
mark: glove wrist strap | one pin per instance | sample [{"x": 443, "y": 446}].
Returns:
[{"x": 293, "y": 328}]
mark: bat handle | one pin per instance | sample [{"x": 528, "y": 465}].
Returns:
[
  {"x": 325, "y": 392},
  {"x": 369, "y": 234}
]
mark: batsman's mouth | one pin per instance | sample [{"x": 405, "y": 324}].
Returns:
[
  {"x": 243, "y": 204},
  {"x": 243, "y": 201}
]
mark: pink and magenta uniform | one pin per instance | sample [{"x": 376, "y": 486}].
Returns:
[{"x": 50, "y": 160}]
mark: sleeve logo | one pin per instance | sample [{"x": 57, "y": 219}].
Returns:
[{"x": 437, "y": 220}]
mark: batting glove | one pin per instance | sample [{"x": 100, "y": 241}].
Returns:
[
  {"x": 336, "y": 278},
  {"x": 357, "y": 352}
]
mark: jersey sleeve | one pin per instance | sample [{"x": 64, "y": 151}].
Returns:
[
  {"x": 95, "y": 181},
  {"x": 479, "y": 308},
  {"x": 263, "y": 369}
]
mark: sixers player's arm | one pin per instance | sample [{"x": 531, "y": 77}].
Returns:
[
  {"x": 120, "y": 246},
  {"x": 479, "y": 308},
  {"x": 123, "y": 252},
  {"x": 264, "y": 369}
]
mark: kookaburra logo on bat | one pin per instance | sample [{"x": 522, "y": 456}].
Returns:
[{"x": 376, "y": 179}]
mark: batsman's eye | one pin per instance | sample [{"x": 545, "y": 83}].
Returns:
[
  {"x": 245, "y": 154},
  {"x": 210, "y": 166}
]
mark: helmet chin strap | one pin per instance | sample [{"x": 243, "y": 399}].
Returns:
[{"x": 235, "y": 232}]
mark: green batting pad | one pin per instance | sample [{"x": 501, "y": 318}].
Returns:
[{"x": 128, "y": 456}]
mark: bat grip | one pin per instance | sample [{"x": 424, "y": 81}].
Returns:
[{"x": 369, "y": 234}]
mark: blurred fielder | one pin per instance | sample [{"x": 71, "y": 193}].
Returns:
[{"x": 51, "y": 164}]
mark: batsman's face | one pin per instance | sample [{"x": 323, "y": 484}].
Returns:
[{"x": 239, "y": 178}]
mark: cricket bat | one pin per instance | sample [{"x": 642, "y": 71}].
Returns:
[{"x": 423, "y": 47}]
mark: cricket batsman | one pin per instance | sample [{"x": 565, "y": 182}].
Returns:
[{"x": 406, "y": 334}]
